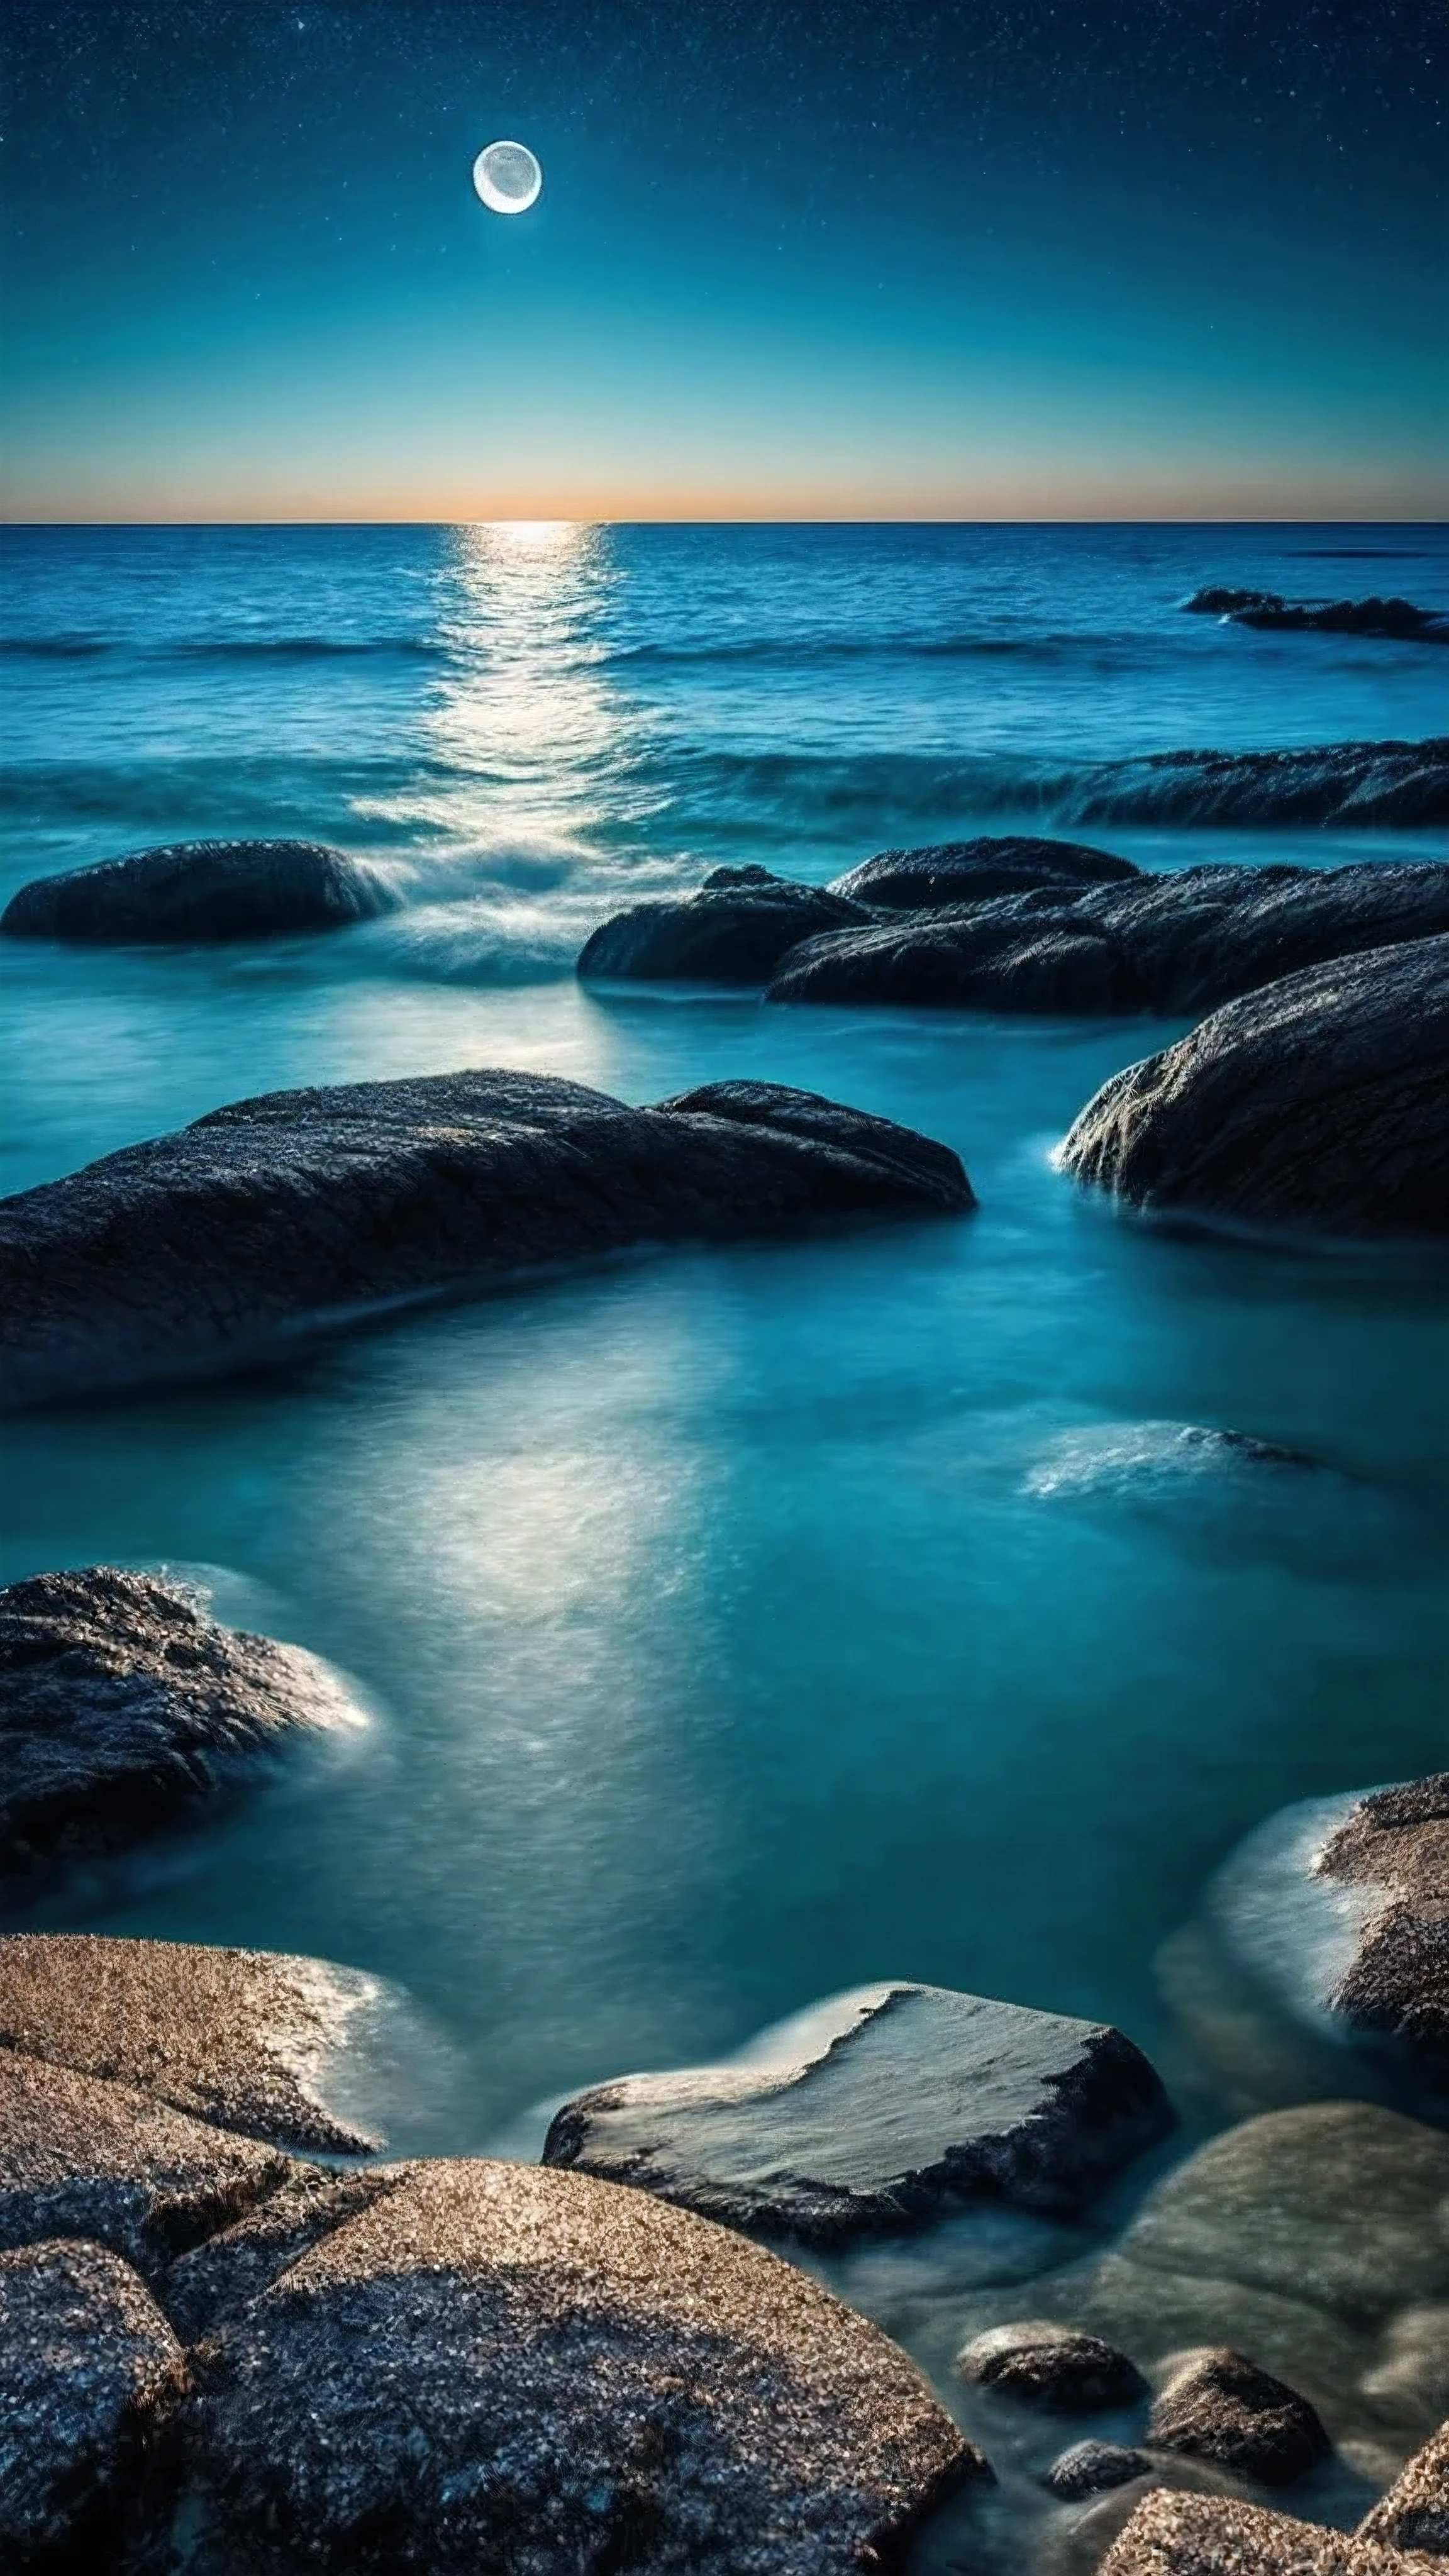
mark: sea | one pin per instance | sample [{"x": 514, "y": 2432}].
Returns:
[{"x": 731, "y": 1627}]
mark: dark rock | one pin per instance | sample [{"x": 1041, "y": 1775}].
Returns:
[
  {"x": 243, "y": 2038},
  {"x": 1218, "y": 2405},
  {"x": 1415, "y": 2512},
  {"x": 1393, "y": 1850},
  {"x": 203, "y": 2291},
  {"x": 1192, "y": 2535},
  {"x": 968, "y": 871},
  {"x": 1016, "y": 953},
  {"x": 200, "y": 890},
  {"x": 89, "y": 2372},
  {"x": 80, "y": 2157},
  {"x": 1342, "y": 783},
  {"x": 1056, "y": 2367},
  {"x": 733, "y": 931},
  {"x": 1094, "y": 2468},
  {"x": 279, "y": 1214},
  {"x": 123, "y": 1707},
  {"x": 501, "y": 2366},
  {"x": 1396, "y": 619},
  {"x": 906, "y": 2101},
  {"x": 1320, "y": 1101}
]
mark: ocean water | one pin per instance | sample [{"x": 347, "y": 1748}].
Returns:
[{"x": 738, "y": 1626}]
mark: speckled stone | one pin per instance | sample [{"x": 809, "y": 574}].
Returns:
[
  {"x": 240, "y": 2037},
  {"x": 506, "y": 2367},
  {"x": 80, "y": 2157},
  {"x": 1393, "y": 1848},
  {"x": 1094, "y": 2468},
  {"x": 1053, "y": 2366},
  {"x": 1415, "y": 2513},
  {"x": 1217, "y": 2405},
  {"x": 204, "y": 2290},
  {"x": 1189, "y": 2535},
  {"x": 89, "y": 2369}
]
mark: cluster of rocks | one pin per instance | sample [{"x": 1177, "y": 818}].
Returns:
[{"x": 1396, "y": 619}]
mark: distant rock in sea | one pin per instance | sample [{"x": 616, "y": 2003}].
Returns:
[
  {"x": 1395, "y": 619},
  {"x": 1344, "y": 783},
  {"x": 1318, "y": 1102},
  {"x": 301, "y": 1208},
  {"x": 201, "y": 891}
]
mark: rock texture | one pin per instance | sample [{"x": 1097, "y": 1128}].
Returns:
[
  {"x": 1217, "y": 2405},
  {"x": 1397, "y": 619},
  {"x": 733, "y": 931},
  {"x": 1192, "y": 2535},
  {"x": 196, "y": 1250},
  {"x": 124, "y": 1707},
  {"x": 1321, "y": 1101},
  {"x": 239, "y": 2037},
  {"x": 502, "y": 2366},
  {"x": 205, "y": 2289},
  {"x": 950, "y": 872},
  {"x": 1341, "y": 783},
  {"x": 1053, "y": 2366},
  {"x": 1415, "y": 2512},
  {"x": 89, "y": 2372},
  {"x": 1095, "y": 2468},
  {"x": 909, "y": 2100},
  {"x": 1393, "y": 1852},
  {"x": 200, "y": 890}
]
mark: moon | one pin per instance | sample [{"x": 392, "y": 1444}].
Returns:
[{"x": 507, "y": 177}]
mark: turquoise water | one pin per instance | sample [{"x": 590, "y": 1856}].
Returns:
[{"x": 736, "y": 1626}]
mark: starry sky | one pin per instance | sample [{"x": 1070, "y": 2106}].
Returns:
[{"x": 850, "y": 259}]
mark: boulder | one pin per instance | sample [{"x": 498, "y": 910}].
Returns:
[
  {"x": 502, "y": 2366},
  {"x": 733, "y": 931},
  {"x": 1019, "y": 953},
  {"x": 124, "y": 1707},
  {"x": 1397, "y": 619},
  {"x": 1391, "y": 1853},
  {"x": 1321, "y": 1101},
  {"x": 1195, "y": 2535},
  {"x": 200, "y": 890},
  {"x": 244, "y": 2038},
  {"x": 1095, "y": 2468},
  {"x": 205, "y": 2289},
  {"x": 1415, "y": 2512},
  {"x": 197, "y": 1250},
  {"x": 1217, "y": 2405},
  {"x": 1052, "y": 2366},
  {"x": 967, "y": 871},
  {"x": 901, "y": 2102},
  {"x": 81, "y": 2157},
  {"x": 90, "y": 2371},
  {"x": 1339, "y": 783}
]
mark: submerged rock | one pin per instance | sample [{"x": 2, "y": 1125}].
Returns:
[
  {"x": 1320, "y": 1101},
  {"x": 1397, "y": 619},
  {"x": 1415, "y": 2512},
  {"x": 1053, "y": 2366},
  {"x": 1094, "y": 2468},
  {"x": 200, "y": 890},
  {"x": 968, "y": 871},
  {"x": 1342, "y": 783},
  {"x": 899, "y": 2103},
  {"x": 733, "y": 931},
  {"x": 1217, "y": 2405},
  {"x": 1195, "y": 2535},
  {"x": 124, "y": 1707},
  {"x": 195, "y": 1251},
  {"x": 499, "y": 2365},
  {"x": 89, "y": 2372},
  {"x": 240, "y": 2037}
]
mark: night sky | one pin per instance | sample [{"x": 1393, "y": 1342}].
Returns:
[{"x": 896, "y": 258}]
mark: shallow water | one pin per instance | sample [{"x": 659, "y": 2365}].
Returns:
[{"x": 735, "y": 1626}]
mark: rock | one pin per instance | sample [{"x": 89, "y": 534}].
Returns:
[
  {"x": 200, "y": 890},
  {"x": 967, "y": 871},
  {"x": 124, "y": 1707},
  {"x": 1321, "y": 1101},
  {"x": 1341, "y": 783},
  {"x": 733, "y": 931},
  {"x": 206, "y": 2289},
  {"x": 1397, "y": 619},
  {"x": 1217, "y": 2405},
  {"x": 81, "y": 2157},
  {"x": 1192, "y": 2535},
  {"x": 1094, "y": 2468},
  {"x": 501, "y": 2366},
  {"x": 1057, "y": 2367},
  {"x": 89, "y": 2372},
  {"x": 195, "y": 1251},
  {"x": 1020, "y": 953},
  {"x": 1392, "y": 1853},
  {"x": 1415, "y": 2512},
  {"x": 243, "y": 2038},
  {"x": 902, "y": 2102}
]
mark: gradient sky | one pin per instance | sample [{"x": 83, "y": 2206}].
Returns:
[{"x": 867, "y": 258}]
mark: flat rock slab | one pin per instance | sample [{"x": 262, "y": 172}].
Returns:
[
  {"x": 124, "y": 1707},
  {"x": 278, "y": 1214},
  {"x": 1321, "y": 1101},
  {"x": 501, "y": 2366},
  {"x": 243, "y": 2038},
  {"x": 1217, "y": 2405},
  {"x": 905, "y": 2101},
  {"x": 81, "y": 2157},
  {"x": 1415, "y": 2512},
  {"x": 89, "y": 2372},
  {"x": 1191, "y": 2535},
  {"x": 200, "y": 890}
]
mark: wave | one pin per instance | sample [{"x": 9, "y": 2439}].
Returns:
[
  {"x": 792, "y": 651},
  {"x": 301, "y": 648},
  {"x": 53, "y": 648}
]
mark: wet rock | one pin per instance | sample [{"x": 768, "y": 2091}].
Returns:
[
  {"x": 206, "y": 2289},
  {"x": 1341, "y": 783},
  {"x": 1052, "y": 2366},
  {"x": 1024, "y": 953},
  {"x": 1321, "y": 1101},
  {"x": 277, "y": 1215},
  {"x": 1217, "y": 2405},
  {"x": 499, "y": 2365},
  {"x": 951, "y": 872},
  {"x": 1397, "y": 619},
  {"x": 245, "y": 2038},
  {"x": 900, "y": 2103},
  {"x": 1391, "y": 1852},
  {"x": 1190, "y": 2535},
  {"x": 200, "y": 890},
  {"x": 733, "y": 931},
  {"x": 1415, "y": 2512},
  {"x": 124, "y": 1707},
  {"x": 89, "y": 2372},
  {"x": 81, "y": 2157},
  {"x": 1094, "y": 2468}
]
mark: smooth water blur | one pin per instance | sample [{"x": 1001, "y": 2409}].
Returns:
[{"x": 737, "y": 1626}]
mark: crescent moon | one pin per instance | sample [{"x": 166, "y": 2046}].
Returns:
[{"x": 508, "y": 177}]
